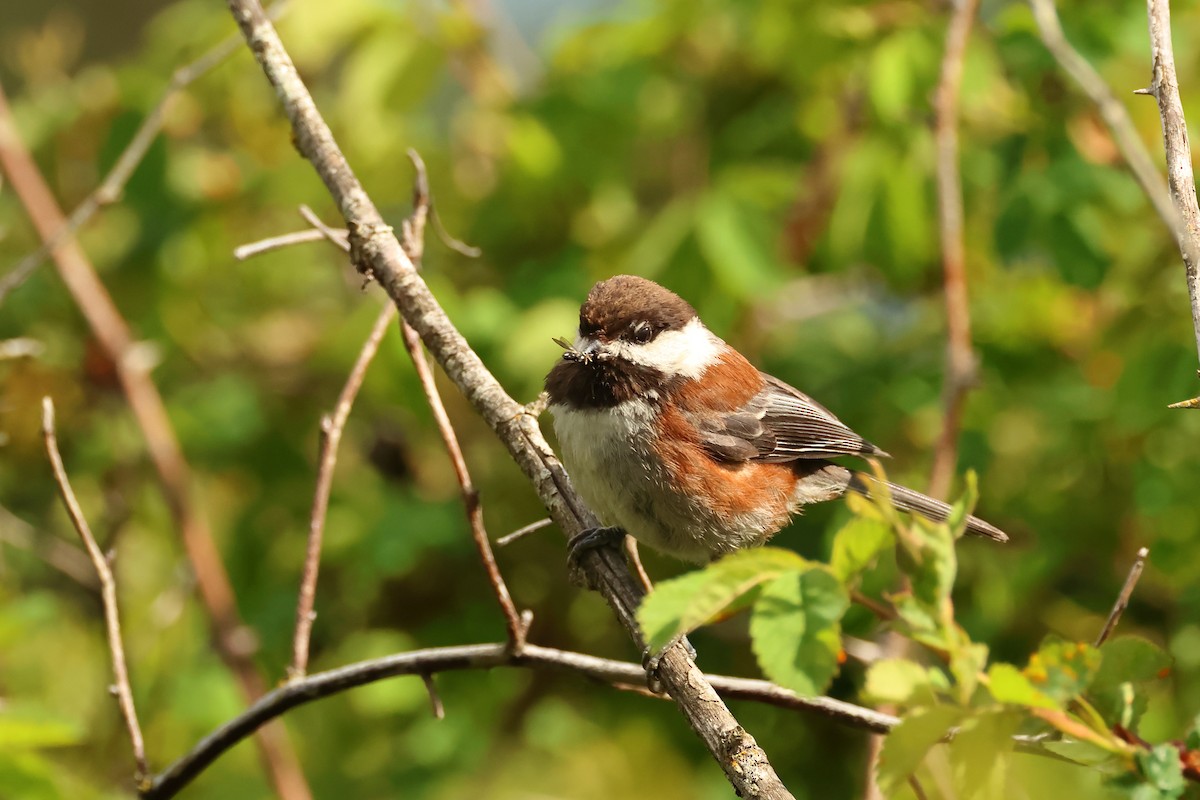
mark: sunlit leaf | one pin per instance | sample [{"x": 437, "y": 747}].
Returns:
[
  {"x": 682, "y": 604},
  {"x": 1063, "y": 669},
  {"x": 795, "y": 629},
  {"x": 1009, "y": 685},
  {"x": 857, "y": 544},
  {"x": 1127, "y": 664},
  {"x": 906, "y": 746},
  {"x": 980, "y": 753},
  {"x": 901, "y": 682}
]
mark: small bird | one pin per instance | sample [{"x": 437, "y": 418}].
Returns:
[{"x": 675, "y": 438}]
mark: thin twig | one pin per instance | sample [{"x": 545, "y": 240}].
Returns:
[
  {"x": 479, "y": 656},
  {"x": 1114, "y": 616},
  {"x": 1166, "y": 89},
  {"x": 276, "y": 242},
  {"x": 234, "y": 642},
  {"x": 16, "y": 532},
  {"x": 110, "y": 189},
  {"x": 377, "y": 253},
  {"x": 470, "y": 495},
  {"x": 332, "y": 426},
  {"x": 960, "y": 358},
  {"x": 435, "y": 699},
  {"x": 521, "y": 533},
  {"x": 339, "y": 237},
  {"x": 635, "y": 563},
  {"x": 457, "y": 245},
  {"x": 413, "y": 243},
  {"x": 108, "y": 593}
]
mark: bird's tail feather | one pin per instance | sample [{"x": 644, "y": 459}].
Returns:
[{"x": 908, "y": 500}]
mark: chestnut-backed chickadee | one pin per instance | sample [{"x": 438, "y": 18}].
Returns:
[{"x": 674, "y": 437}]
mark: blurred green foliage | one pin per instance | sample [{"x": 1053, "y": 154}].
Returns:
[
  {"x": 772, "y": 162},
  {"x": 1078, "y": 702}
]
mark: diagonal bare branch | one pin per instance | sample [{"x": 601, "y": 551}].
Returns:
[
  {"x": 376, "y": 252},
  {"x": 108, "y": 594},
  {"x": 332, "y": 426},
  {"x": 110, "y": 189},
  {"x": 234, "y": 642},
  {"x": 1174, "y": 204}
]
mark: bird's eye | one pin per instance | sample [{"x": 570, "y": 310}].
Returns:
[{"x": 642, "y": 332}]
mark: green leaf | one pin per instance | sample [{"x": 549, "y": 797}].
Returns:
[
  {"x": 1063, "y": 669},
  {"x": 926, "y": 554},
  {"x": 1080, "y": 752},
  {"x": 685, "y": 603},
  {"x": 1192, "y": 742},
  {"x": 1009, "y": 685},
  {"x": 1130, "y": 658},
  {"x": 980, "y": 754},
  {"x": 857, "y": 544},
  {"x": 901, "y": 682},
  {"x": 957, "y": 521},
  {"x": 906, "y": 746},
  {"x": 795, "y": 630},
  {"x": 1126, "y": 663},
  {"x": 1162, "y": 770}
]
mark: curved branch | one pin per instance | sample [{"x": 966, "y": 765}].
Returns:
[
  {"x": 376, "y": 252},
  {"x": 477, "y": 656}
]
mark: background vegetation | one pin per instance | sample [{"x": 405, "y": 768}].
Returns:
[{"x": 770, "y": 161}]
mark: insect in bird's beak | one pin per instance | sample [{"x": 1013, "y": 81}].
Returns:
[
  {"x": 586, "y": 356},
  {"x": 571, "y": 353}
]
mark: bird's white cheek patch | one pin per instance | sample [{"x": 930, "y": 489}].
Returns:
[{"x": 687, "y": 352}]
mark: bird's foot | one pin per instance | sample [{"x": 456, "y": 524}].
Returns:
[
  {"x": 651, "y": 660},
  {"x": 585, "y": 540}
]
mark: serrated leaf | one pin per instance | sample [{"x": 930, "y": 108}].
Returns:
[
  {"x": 795, "y": 629},
  {"x": 1009, "y": 685},
  {"x": 1063, "y": 670},
  {"x": 1126, "y": 662},
  {"x": 1161, "y": 768},
  {"x": 900, "y": 682},
  {"x": 1129, "y": 658},
  {"x": 857, "y": 545},
  {"x": 923, "y": 623},
  {"x": 908, "y": 743},
  {"x": 683, "y": 604},
  {"x": 925, "y": 553}
]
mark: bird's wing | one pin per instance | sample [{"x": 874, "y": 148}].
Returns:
[{"x": 778, "y": 424}]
